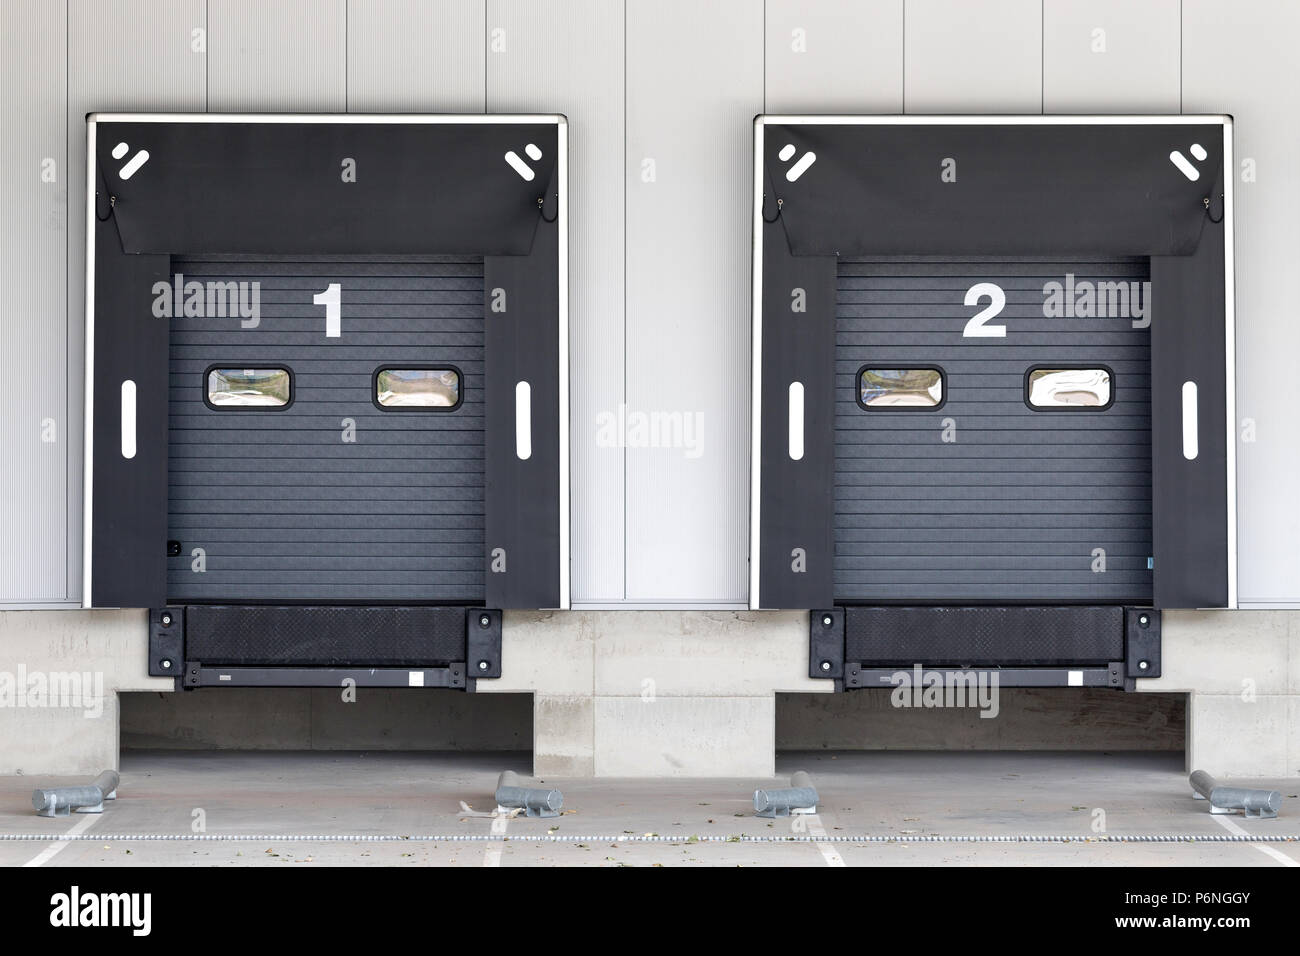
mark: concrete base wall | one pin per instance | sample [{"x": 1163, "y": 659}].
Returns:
[
  {"x": 318, "y": 718},
  {"x": 1241, "y": 671},
  {"x": 51, "y": 732},
  {"x": 1048, "y": 718},
  {"x": 400, "y": 719},
  {"x": 641, "y": 693}
]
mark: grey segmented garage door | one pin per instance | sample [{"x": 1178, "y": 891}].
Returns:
[
  {"x": 1019, "y": 505},
  {"x": 283, "y": 508}
]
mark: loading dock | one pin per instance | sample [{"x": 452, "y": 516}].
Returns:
[
  {"x": 326, "y": 391},
  {"x": 992, "y": 389}
]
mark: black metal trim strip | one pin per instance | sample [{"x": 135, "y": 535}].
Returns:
[
  {"x": 199, "y": 675},
  {"x": 866, "y": 678}
]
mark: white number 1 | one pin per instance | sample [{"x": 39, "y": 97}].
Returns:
[
  {"x": 333, "y": 313},
  {"x": 975, "y": 328}
]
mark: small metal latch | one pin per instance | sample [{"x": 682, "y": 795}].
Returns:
[{"x": 112, "y": 202}]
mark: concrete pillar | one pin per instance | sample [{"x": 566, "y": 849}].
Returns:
[
  {"x": 655, "y": 693},
  {"x": 1241, "y": 672},
  {"x": 60, "y": 676}
]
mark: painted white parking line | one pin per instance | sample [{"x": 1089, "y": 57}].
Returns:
[
  {"x": 492, "y": 854},
  {"x": 818, "y": 832},
  {"x": 1232, "y": 827},
  {"x": 81, "y": 826}
]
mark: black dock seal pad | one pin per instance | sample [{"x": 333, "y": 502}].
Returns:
[
  {"x": 483, "y": 644},
  {"x": 826, "y": 643},
  {"x": 166, "y": 641},
  {"x": 1141, "y": 642}
]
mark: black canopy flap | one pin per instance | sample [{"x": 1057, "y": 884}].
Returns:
[
  {"x": 327, "y": 187},
  {"x": 128, "y": 516},
  {"x": 1190, "y": 496},
  {"x": 523, "y": 486},
  {"x": 992, "y": 189},
  {"x": 797, "y": 494}
]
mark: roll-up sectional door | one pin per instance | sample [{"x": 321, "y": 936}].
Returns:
[
  {"x": 982, "y": 491},
  {"x": 353, "y": 489}
]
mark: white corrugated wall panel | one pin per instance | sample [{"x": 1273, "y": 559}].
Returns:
[
  {"x": 694, "y": 85},
  {"x": 566, "y": 56}
]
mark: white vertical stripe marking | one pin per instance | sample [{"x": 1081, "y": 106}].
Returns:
[
  {"x": 88, "y": 421},
  {"x": 756, "y": 376},
  {"x": 1191, "y": 437},
  {"x": 128, "y": 419},
  {"x": 1230, "y": 351},
  {"x": 796, "y": 421},
  {"x": 523, "y": 420}
]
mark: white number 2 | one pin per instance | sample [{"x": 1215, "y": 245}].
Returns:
[
  {"x": 333, "y": 313},
  {"x": 975, "y": 328}
]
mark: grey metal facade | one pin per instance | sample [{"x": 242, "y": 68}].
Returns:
[{"x": 678, "y": 83}]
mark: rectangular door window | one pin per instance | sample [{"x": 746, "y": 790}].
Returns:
[
  {"x": 1088, "y": 388},
  {"x": 416, "y": 388},
  {"x": 248, "y": 387},
  {"x": 900, "y": 388}
]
